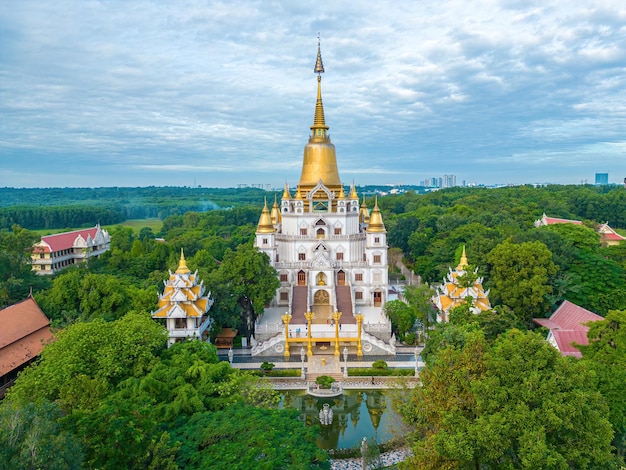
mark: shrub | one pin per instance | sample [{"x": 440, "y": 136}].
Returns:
[
  {"x": 379, "y": 364},
  {"x": 370, "y": 371},
  {"x": 277, "y": 373},
  {"x": 267, "y": 366},
  {"x": 324, "y": 381}
]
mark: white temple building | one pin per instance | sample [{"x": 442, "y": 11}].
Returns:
[
  {"x": 183, "y": 306},
  {"x": 331, "y": 256},
  {"x": 452, "y": 292}
]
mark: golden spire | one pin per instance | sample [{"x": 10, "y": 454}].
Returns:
[
  {"x": 265, "y": 221},
  {"x": 376, "y": 220},
  {"x": 298, "y": 193},
  {"x": 364, "y": 214},
  {"x": 463, "y": 262},
  {"x": 353, "y": 194},
  {"x": 320, "y": 160},
  {"x": 182, "y": 264},
  {"x": 286, "y": 194},
  {"x": 275, "y": 214},
  {"x": 342, "y": 194}
]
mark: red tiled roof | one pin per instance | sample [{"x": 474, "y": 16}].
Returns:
[
  {"x": 65, "y": 240},
  {"x": 566, "y": 340},
  {"x": 567, "y": 326},
  {"x": 25, "y": 330},
  {"x": 554, "y": 220}
]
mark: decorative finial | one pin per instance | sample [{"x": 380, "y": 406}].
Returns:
[{"x": 319, "y": 65}]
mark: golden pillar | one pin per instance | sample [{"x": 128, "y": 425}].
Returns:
[
  {"x": 309, "y": 318},
  {"x": 286, "y": 319},
  {"x": 336, "y": 317},
  {"x": 359, "y": 323}
]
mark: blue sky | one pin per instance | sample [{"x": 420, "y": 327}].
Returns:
[{"x": 137, "y": 93}]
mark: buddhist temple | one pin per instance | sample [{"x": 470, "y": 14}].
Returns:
[
  {"x": 183, "y": 305},
  {"x": 331, "y": 256},
  {"x": 458, "y": 287}
]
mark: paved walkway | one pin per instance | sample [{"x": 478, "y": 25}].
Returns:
[{"x": 386, "y": 459}]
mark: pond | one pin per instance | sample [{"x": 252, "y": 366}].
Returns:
[{"x": 356, "y": 414}]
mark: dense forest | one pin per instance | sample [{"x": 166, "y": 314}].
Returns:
[{"x": 181, "y": 408}]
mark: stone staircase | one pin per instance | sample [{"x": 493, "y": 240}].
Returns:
[
  {"x": 310, "y": 377},
  {"x": 344, "y": 305},
  {"x": 299, "y": 304}
]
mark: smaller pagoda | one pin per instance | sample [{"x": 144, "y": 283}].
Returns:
[
  {"x": 183, "y": 305},
  {"x": 458, "y": 287}
]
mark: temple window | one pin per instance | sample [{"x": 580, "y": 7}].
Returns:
[
  {"x": 320, "y": 233},
  {"x": 303, "y": 231},
  {"x": 376, "y": 259},
  {"x": 358, "y": 295},
  {"x": 301, "y": 256},
  {"x": 283, "y": 277},
  {"x": 265, "y": 241},
  {"x": 358, "y": 277},
  {"x": 377, "y": 240},
  {"x": 339, "y": 256},
  {"x": 337, "y": 230},
  {"x": 284, "y": 296}
]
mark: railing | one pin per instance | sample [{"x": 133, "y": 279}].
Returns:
[{"x": 377, "y": 327}]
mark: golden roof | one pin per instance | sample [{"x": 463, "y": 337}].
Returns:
[
  {"x": 275, "y": 214},
  {"x": 182, "y": 265},
  {"x": 376, "y": 220},
  {"x": 319, "y": 160},
  {"x": 286, "y": 194},
  {"x": 364, "y": 214},
  {"x": 265, "y": 221},
  {"x": 463, "y": 262},
  {"x": 353, "y": 194}
]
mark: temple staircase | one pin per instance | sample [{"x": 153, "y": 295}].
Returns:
[
  {"x": 344, "y": 305},
  {"x": 299, "y": 304}
]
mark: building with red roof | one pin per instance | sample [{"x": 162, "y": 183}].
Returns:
[
  {"x": 610, "y": 236},
  {"x": 24, "y": 331},
  {"x": 567, "y": 327},
  {"x": 545, "y": 220},
  {"x": 55, "y": 252}
]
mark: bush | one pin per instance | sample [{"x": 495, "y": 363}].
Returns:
[
  {"x": 379, "y": 364},
  {"x": 410, "y": 339},
  {"x": 324, "y": 381},
  {"x": 370, "y": 371},
  {"x": 267, "y": 366},
  {"x": 277, "y": 373}
]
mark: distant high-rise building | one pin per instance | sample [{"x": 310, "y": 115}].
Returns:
[
  {"x": 602, "y": 178},
  {"x": 448, "y": 181}
]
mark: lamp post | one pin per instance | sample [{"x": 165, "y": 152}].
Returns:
[
  {"x": 230, "y": 356},
  {"x": 336, "y": 317},
  {"x": 345, "y": 362},
  {"x": 309, "y": 318},
  {"x": 359, "y": 323},
  {"x": 286, "y": 319},
  {"x": 417, "y": 355},
  {"x": 302, "y": 356}
]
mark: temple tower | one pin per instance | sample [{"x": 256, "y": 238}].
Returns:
[
  {"x": 183, "y": 305},
  {"x": 329, "y": 251}
]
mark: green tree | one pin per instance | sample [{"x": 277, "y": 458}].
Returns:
[
  {"x": 606, "y": 355},
  {"x": 521, "y": 277},
  {"x": 402, "y": 317},
  {"x": 97, "y": 350},
  {"x": 230, "y": 438},
  {"x": 513, "y": 404},
  {"x": 244, "y": 283},
  {"x": 31, "y": 437}
]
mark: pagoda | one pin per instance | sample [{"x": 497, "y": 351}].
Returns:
[
  {"x": 458, "y": 287},
  {"x": 329, "y": 250},
  {"x": 183, "y": 305}
]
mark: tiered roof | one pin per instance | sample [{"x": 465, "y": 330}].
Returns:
[
  {"x": 609, "y": 235},
  {"x": 545, "y": 220},
  {"x": 183, "y": 297},
  {"x": 24, "y": 330},
  {"x": 567, "y": 327},
  {"x": 450, "y": 294}
]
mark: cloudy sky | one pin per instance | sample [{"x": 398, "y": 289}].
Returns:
[{"x": 136, "y": 93}]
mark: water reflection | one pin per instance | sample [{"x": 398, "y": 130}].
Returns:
[{"x": 356, "y": 414}]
